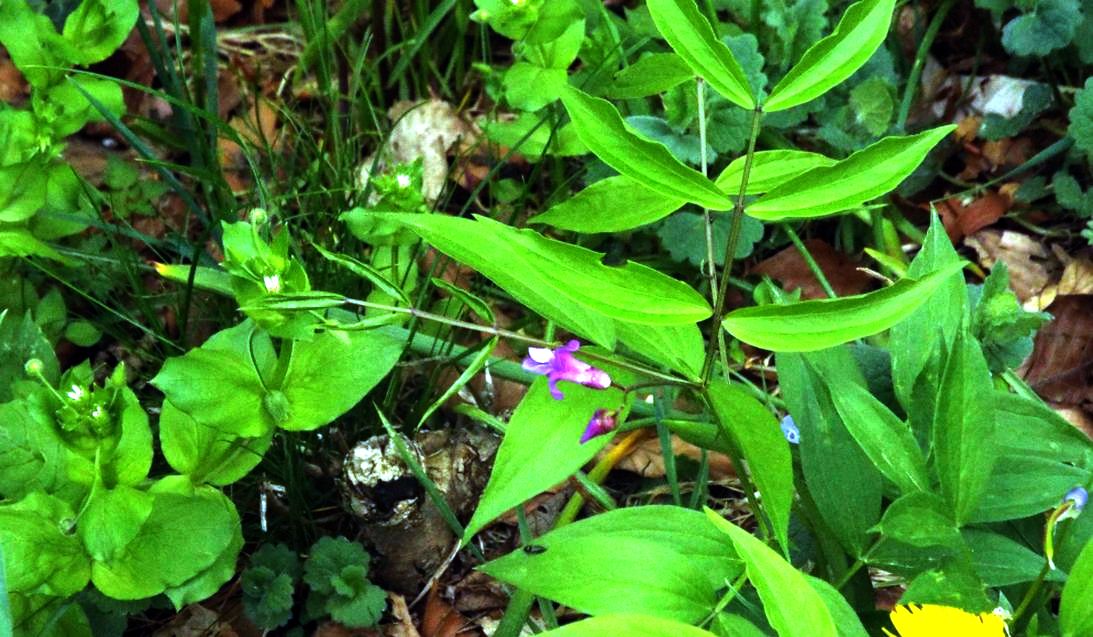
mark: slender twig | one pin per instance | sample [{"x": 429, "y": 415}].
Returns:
[{"x": 730, "y": 249}]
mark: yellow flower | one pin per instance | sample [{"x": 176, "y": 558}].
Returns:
[{"x": 944, "y": 621}]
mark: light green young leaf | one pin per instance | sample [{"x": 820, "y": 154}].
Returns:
[
  {"x": 867, "y": 174},
  {"x": 883, "y": 437},
  {"x": 1076, "y": 606},
  {"x": 39, "y": 557},
  {"x": 790, "y": 603},
  {"x": 541, "y": 447},
  {"x": 563, "y": 282},
  {"x": 964, "y": 445},
  {"x": 629, "y": 624},
  {"x": 600, "y": 127},
  {"x": 210, "y": 279},
  {"x": 97, "y": 28},
  {"x": 825, "y": 64},
  {"x": 614, "y": 204},
  {"x": 650, "y": 75},
  {"x": 922, "y": 520},
  {"x": 206, "y": 454},
  {"x": 112, "y": 519},
  {"x": 690, "y": 35},
  {"x": 680, "y": 347},
  {"x": 814, "y": 325},
  {"x": 529, "y": 87},
  {"x": 769, "y": 169},
  {"x": 676, "y": 562},
  {"x": 756, "y": 434}
]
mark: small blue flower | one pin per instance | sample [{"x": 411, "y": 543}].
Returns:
[
  {"x": 790, "y": 430},
  {"x": 1077, "y": 499}
]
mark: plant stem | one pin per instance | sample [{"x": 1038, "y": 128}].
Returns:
[
  {"x": 711, "y": 265},
  {"x": 811, "y": 262},
  {"x": 920, "y": 61},
  {"x": 730, "y": 247}
]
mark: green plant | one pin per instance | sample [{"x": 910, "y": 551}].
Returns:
[{"x": 42, "y": 198}]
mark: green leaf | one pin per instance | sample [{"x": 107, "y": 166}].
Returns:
[
  {"x": 82, "y": 333},
  {"x": 921, "y": 520},
  {"x": 600, "y": 127},
  {"x": 22, "y": 191},
  {"x": 614, "y": 204},
  {"x": 931, "y": 328},
  {"x": 71, "y": 108},
  {"x": 629, "y": 624},
  {"x": 541, "y": 447},
  {"x": 210, "y": 279},
  {"x": 472, "y": 369},
  {"x": 206, "y": 454},
  {"x": 112, "y": 520},
  {"x": 1081, "y": 119},
  {"x": 865, "y": 175},
  {"x": 327, "y": 559},
  {"x": 873, "y": 104},
  {"x": 32, "y": 456},
  {"x": 759, "y": 439},
  {"x": 680, "y": 347},
  {"x": 360, "y": 603},
  {"x": 846, "y": 486},
  {"x": 684, "y": 235},
  {"x": 684, "y": 146},
  {"x": 366, "y": 272},
  {"x": 769, "y": 169},
  {"x": 846, "y": 618},
  {"x": 883, "y": 437},
  {"x": 1002, "y": 327},
  {"x": 1003, "y": 561},
  {"x": 131, "y": 458},
  {"x": 790, "y": 603},
  {"x": 332, "y": 372},
  {"x": 181, "y": 537},
  {"x": 690, "y": 35},
  {"x": 218, "y": 384},
  {"x": 963, "y": 431},
  {"x": 97, "y": 28},
  {"x": 650, "y": 75},
  {"x": 563, "y": 282},
  {"x": 675, "y": 564},
  {"x": 23, "y": 340},
  {"x": 1035, "y": 99},
  {"x": 267, "y": 597},
  {"x": 531, "y": 137},
  {"x": 529, "y": 87},
  {"x": 207, "y": 581},
  {"x": 1050, "y": 25},
  {"x": 1076, "y": 605},
  {"x": 39, "y": 557},
  {"x": 825, "y": 64},
  {"x": 814, "y": 325}
]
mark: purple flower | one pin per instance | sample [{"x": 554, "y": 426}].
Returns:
[
  {"x": 603, "y": 422},
  {"x": 790, "y": 430},
  {"x": 1076, "y": 498},
  {"x": 559, "y": 364}
]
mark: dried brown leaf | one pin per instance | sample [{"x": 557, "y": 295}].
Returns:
[{"x": 788, "y": 267}]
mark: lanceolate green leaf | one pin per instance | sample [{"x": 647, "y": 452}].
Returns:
[
  {"x": 769, "y": 169},
  {"x": 791, "y": 605},
  {"x": 651, "y": 75},
  {"x": 1076, "y": 606},
  {"x": 867, "y": 174},
  {"x": 611, "y": 205},
  {"x": 600, "y": 127},
  {"x": 814, "y": 325},
  {"x": 692, "y": 38},
  {"x": 825, "y": 64},
  {"x": 563, "y": 282},
  {"x": 883, "y": 437},
  {"x": 629, "y": 624},
  {"x": 675, "y": 563},
  {"x": 756, "y": 434}
]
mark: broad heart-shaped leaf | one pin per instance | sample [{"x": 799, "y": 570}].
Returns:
[
  {"x": 38, "y": 556},
  {"x": 690, "y": 35},
  {"x": 675, "y": 563},
  {"x": 563, "y": 282},
  {"x": 846, "y": 486},
  {"x": 23, "y": 340},
  {"x": 823, "y": 323},
  {"x": 883, "y": 437},
  {"x": 332, "y": 372},
  {"x": 1076, "y": 606},
  {"x": 112, "y": 519},
  {"x": 600, "y": 127},
  {"x": 867, "y": 174},
  {"x": 206, "y": 454},
  {"x": 182, "y": 536},
  {"x": 769, "y": 169},
  {"x": 825, "y": 64},
  {"x": 1039, "y": 458},
  {"x": 790, "y": 603},
  {"x": 755, "y": 432},
  {"x": 650, "y": 75},
  {"x": 611, "y": 205},
  {"x": 629, "y": 624},
  {"x": 931, "y": 328},
  {"x": 541, "y": 447},
  {"x": 218, "y": 384},
  {"x": 964, "y": 445}
]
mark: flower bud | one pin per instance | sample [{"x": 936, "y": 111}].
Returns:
[{"x": 33, "y": 367}]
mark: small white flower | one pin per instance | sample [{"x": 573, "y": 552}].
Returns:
[
  {"x": 97, "y": 412},
  {"x": 272, "y": 283},
  {"x": 76, "y": 393},
  {"x": 402, "y": 180}
]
